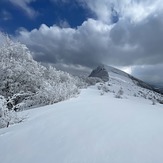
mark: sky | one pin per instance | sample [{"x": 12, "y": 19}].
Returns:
[{"x": 81, "y": 34}]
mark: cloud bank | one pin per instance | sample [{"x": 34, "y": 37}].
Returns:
[{"x": 134, "y": 40}]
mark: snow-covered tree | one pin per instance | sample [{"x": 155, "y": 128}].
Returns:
[
  {"x": 25, "y": 83},
  {"x": 7, "y": 116}
]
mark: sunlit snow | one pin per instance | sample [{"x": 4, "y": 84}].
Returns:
[{"x": 91, "y": 128}]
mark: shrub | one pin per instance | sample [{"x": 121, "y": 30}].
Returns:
[
  {"x": 93, "y": 80},
  {"x": 119, "y": 93},
  {"x": 105, "y": 88},
  {"x": 153, "y": 102},
  {"x": 7, "y": 116}
]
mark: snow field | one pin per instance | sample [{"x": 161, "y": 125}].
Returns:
[{"x": 87, "y": 129}]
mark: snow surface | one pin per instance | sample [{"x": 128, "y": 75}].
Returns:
[{"x": 88, "y": 129}]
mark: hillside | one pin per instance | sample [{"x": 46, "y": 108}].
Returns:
[
  {"x": 135, "y": 80},
  {"x": 95, "y": 127}
]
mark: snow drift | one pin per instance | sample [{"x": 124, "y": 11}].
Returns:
[{"x": 88, "y": 129}]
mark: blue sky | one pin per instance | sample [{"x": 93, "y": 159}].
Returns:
[
  {"x": 81, "y": 34},
  {"x": 47, "y": 12}
]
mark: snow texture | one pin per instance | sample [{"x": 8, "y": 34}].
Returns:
[{"x": 88, "y": 129}]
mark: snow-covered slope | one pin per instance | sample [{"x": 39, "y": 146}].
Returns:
[
  {"x": 95, "y": 127},
  {"x": 135, "y": 80},
  {"x": 130, "y": 85}
]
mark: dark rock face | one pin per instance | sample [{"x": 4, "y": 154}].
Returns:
[{"x": 101, "y": 73}]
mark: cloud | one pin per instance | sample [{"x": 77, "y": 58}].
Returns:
[
  {"x": 135, "y": 10},
  {"x": 151, "y": 73},
  {"x": 25, "y": 6},
  {"x": 5, "y": 15},
  {"x": 95, "y": 42},
  {"x": 144, "y": 38},
  {"x": 62, "y": 1},
  {"x": 134, "y": 41},
  {"x": 63, "y": 24},
  {"x": 67, "y": 45}
]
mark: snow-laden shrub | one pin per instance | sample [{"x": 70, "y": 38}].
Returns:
[
  {"x": 153, "y": 102},
  {"x": 103, "y": 87},
  {"x": 135, "y": 95},
  {"x": 16, "y": 101},
  {"x": 119, "y": 93},
  {"x": 99, "y": 87},
  {"x": 80, "y": 82},
  {"x": 160, "y": 101},
  {"x": 102, "y": 93},
  {"x": 93, "y": 80},
  {"x": 27, "y": 83},
  {"x": 7, "y": 116}
]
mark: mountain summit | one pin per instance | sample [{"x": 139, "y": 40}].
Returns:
[{"x": 101, "y": 73}]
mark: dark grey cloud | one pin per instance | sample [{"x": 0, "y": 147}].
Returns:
[
  {"x": 151, "y": 73},
  {"x": 144, "y": 38}
]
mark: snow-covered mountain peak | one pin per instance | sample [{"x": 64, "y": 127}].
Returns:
[
  {"x": 100, "y": 72},
  {"x": 123, "y": 85}
]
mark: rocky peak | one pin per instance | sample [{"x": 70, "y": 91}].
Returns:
[{"x": 101, "y": 73}]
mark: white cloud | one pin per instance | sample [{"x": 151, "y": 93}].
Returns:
[
  {"x": 135, "y": 10},
  {"x": 25, "y": 6}
]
